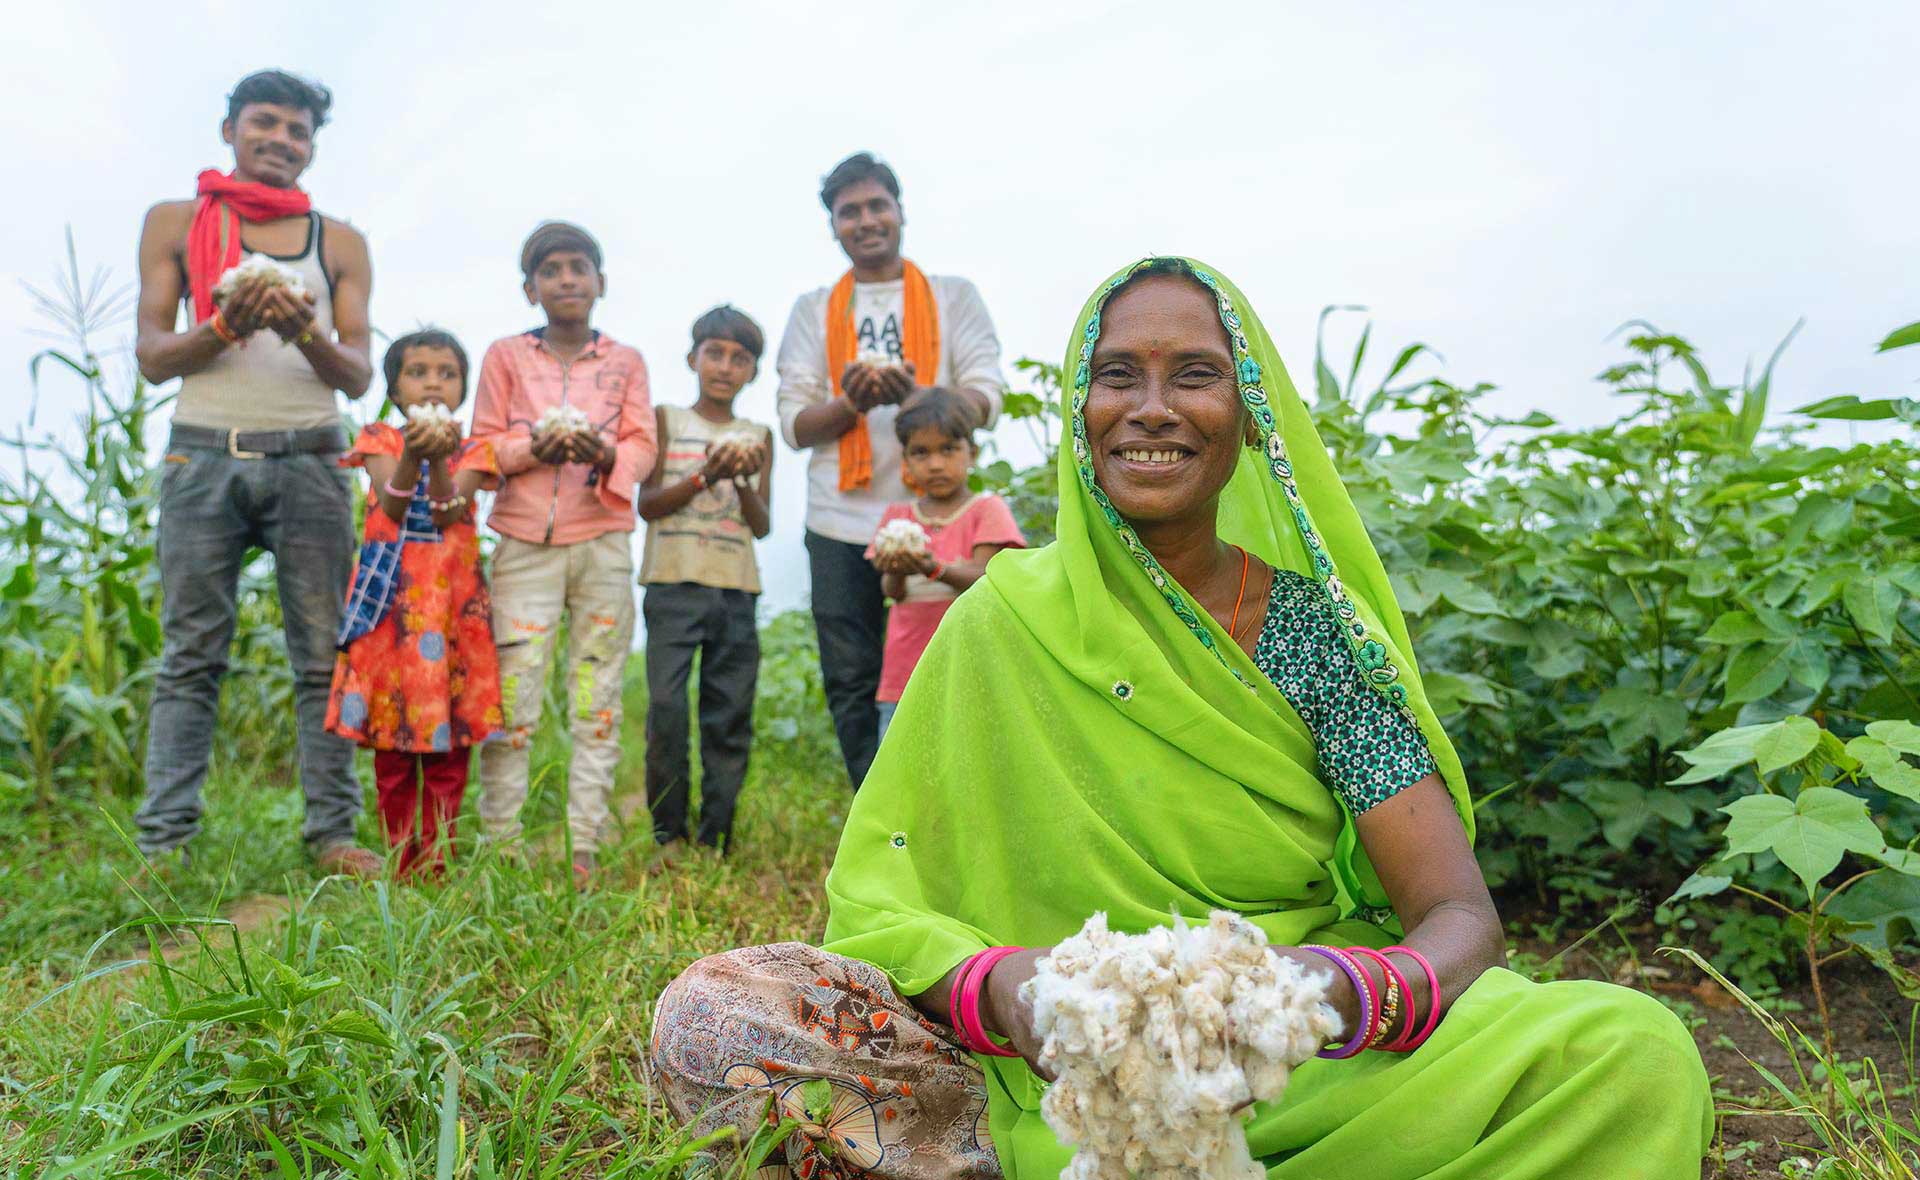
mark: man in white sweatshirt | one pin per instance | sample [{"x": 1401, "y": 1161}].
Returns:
[{"x": 834, "y": 401}]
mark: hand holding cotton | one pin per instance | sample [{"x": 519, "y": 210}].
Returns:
[
  {"x": 1162, "y": 1040},
  {"x": 901, "y": 538},
  {"x": 268, "y": 272},
  {"x": 563, "y": 420}
]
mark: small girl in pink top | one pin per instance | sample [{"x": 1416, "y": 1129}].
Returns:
[{"x": 964, "y": 530}]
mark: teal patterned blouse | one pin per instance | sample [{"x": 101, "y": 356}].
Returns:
[{"x": 1369, "y": 751}]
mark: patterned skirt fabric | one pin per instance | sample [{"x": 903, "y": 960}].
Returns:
[{"x": 754, "y": 1036}]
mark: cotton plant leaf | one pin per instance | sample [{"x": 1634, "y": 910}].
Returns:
[
  {"x": 1785, "y": 743},
  {"x": 1885, "y": 905},
  {"x": 1809, "y": 834},
  {"x": 1722, "y": 754}
]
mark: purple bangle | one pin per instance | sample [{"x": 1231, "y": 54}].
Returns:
[{"x": 1353, "y": 1047}]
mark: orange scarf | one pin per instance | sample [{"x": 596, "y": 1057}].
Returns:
[{"x": 919, "y": 344}]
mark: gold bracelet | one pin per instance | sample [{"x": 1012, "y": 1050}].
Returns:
[
  {"x": 218, "y": 322},
  {"x": 1389, "y": 1012},
  {"x": 305, "y": 338}
]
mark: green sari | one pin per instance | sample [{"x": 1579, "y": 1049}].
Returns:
[{"x": 1081, "y": 736}]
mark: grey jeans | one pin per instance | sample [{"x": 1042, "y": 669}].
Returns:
[{"x": 213, "y": 509}]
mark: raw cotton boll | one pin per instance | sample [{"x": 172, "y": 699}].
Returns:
[
  {"x": 270, "y": 271},
  {"x": 1161, "y": 1041},
  {"x": 430, "y": 412},
  {"x": 737, "y": 443},
  {"x": 901, "y": 538},
  {"x": 563, "y": 420}
]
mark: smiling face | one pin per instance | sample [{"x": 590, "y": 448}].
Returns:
[
  {"x": 867, "y": 221},
  {"x": 1164, "y": 419},
  {"x": 429, "y": 375},
  {"x": 565, "y": 284},
  {"x": 272, "y": 144}
]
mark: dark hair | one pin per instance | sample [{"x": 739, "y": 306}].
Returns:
[
  {"x": 939, "y": 408},
  {"x": 1162, "y": 264},
  {"x": 551, "y": 237},
  {"x": 281, "y": 89},
  {"x": 428, "y": 337},
  {"x": 728, "y": 322},
  {"x": 851, "y": 171}
]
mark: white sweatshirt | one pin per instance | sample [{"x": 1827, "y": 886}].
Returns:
[{"x": 969, "y": 359}]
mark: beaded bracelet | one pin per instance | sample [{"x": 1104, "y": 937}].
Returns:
[
  {"x": 1396, "y": 987},
  {"x": 449, "y": 505},
  {"x": 1364, "y": 987},
  {"x": 1411, "y": 1040}
]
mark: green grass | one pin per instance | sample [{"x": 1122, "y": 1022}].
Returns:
[{"x": 494, "y": 1024}]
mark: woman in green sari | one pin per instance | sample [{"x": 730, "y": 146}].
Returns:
[{"x": 1201, "y": 697}]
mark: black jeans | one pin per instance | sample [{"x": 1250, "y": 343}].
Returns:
[
  {"x": 213, "y": 509},
  {"x": 850, "y": 621},
  {"x": 684, "y": 618}
]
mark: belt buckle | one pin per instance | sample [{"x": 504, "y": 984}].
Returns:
[{"x": 233, "y": 448}]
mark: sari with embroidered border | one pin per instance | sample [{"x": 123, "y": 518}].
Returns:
[{"x": 1081, "y": 736}]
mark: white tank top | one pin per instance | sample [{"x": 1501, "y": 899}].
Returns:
[{"x": 269, "y": 384}]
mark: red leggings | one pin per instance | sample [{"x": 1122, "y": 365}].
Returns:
[{"x": 419, "y": 802}]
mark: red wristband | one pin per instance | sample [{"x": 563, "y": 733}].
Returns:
[{"x": 699, "y": 481}]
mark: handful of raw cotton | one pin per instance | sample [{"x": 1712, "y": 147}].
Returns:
[
  {"x": 432, "y": 413},
  {"x": 258, "y": 267},
  {"x": 563, "y": 420},
  {"x": 740, "y": 441},
  {"x": 901, "y": 538},
  {"x": 1161, "y": 1040}
]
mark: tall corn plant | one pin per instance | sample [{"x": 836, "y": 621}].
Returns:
[{"x": 79, "y": 579}]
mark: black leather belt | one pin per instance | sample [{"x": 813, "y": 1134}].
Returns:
[{"x": 260, "y": 444}]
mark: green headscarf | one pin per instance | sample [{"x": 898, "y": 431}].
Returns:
[{"x": 1081, "y": 736}]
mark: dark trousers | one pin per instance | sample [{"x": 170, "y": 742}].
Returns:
[
  {"x": 684, "y": 618},
  {"x": 419, "y": 801},
  {"x": 213, "y": 509},
  {"x": 850, "y": 621}
]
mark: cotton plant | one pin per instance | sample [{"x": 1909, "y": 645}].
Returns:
[
  {"x": 258, "y": 268},
  {"x": 1162, "y": 1041},
  {"x": 901, "y": 538}
]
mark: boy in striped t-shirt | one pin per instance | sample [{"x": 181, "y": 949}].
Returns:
[{"x": 705, "y": 505}]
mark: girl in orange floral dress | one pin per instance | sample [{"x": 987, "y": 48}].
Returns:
[{"x": 417, "y": 680}]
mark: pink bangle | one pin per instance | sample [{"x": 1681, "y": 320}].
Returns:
[
  {"x": 1396, "y": 987},
  {"x": 973, "y": 1034},
  {"x": 1410, "y": 1042},
  {"x": 393, "y": 491}
]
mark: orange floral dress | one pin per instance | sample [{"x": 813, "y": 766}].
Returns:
[{"x": 424, "y": 678}]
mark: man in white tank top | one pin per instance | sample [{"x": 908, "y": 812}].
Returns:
[{"x": 252, "y": 461}]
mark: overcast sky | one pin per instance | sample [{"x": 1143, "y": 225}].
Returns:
[{"x": 1506, "y": 182}]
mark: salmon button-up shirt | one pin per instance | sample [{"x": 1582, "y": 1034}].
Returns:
[{"x": 521, "y": 378}]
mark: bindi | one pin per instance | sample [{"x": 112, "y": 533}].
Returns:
[{"x": 1152, "y": 352}]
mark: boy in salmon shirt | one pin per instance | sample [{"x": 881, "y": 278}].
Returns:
[{"x": 567, "y": 412}]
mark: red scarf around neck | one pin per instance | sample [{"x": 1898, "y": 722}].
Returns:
[{"x": 213, "y": 242}]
